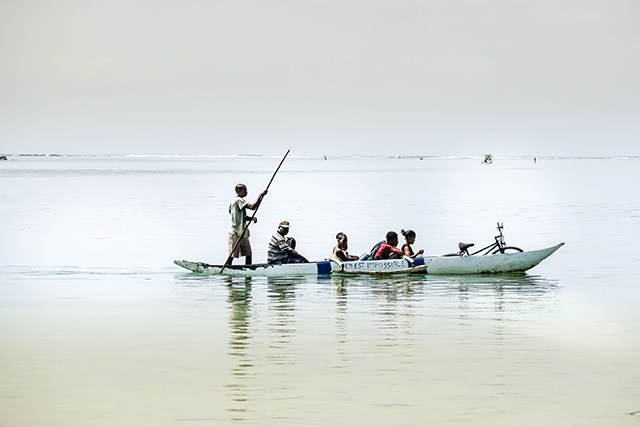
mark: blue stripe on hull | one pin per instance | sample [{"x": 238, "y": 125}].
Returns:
[{"x": 324, "y": 267}]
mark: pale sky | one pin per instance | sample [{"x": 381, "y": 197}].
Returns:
[{"x": 374, "y": 77}]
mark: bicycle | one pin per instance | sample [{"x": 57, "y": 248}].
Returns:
[{"x": 498, "y": 247}]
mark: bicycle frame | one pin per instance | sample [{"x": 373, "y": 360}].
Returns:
[{"x": 499, "y": 244}]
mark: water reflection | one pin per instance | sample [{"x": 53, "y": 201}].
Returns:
[
  {"x": 281, "y": 293},
  {"x": 506, "y": 290},
  {"x": 366, "y": 330},
  {"x": 340, "y": 293},
  {"x": 472, "y": 293},
  {"x": 386, "y": 303},
  {"x": 239, "y": 301},
  {"x": 260, "y": 356},
  {"x": 384, "y": 288}
]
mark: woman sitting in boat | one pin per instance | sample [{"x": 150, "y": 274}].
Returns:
[
  {"x": 388, "y": 249},
  {"x": 410, "y": 239},
  {"x": 340, "y": 250}
]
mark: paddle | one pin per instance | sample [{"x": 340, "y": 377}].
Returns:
[{"x": 252, "y": 216}]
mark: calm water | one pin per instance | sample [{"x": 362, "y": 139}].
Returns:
[{"x": 98, "y": 327}]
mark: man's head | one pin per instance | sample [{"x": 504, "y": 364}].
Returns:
[
  {"x": 392, "y": 238},
  {"x": 241, "y": 190},
  {"x": 283, "y": 227}
]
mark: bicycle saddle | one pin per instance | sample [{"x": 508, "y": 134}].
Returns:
[{"x": 464, "y": 246}]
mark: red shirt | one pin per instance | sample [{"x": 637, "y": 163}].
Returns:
[{"x": 384, "y": 251}]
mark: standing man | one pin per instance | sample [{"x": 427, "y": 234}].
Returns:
[
  {"x": 237, "y": 209},
  {"x": 282, "y": 250}
]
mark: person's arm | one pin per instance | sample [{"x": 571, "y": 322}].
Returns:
[
  {"x": 407, "y": 252},
  {"x": 397, "y": 251},
  {"x": 341, "y": 255},
  {"x": 284, "y": 246},
  {"x": 296, "y": 254},
  {"x": 253, "y": 206}
]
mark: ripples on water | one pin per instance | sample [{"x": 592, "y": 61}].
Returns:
[{"x": 291, "y": 337}]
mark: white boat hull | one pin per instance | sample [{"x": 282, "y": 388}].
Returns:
[
  {"x": 479, "y": 264},
  {"x": 298, "y": 269},
  {"x": 384, "y": 266},
  {"x": 448, "y": 265}
]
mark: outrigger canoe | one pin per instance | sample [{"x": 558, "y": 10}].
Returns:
[{"x": 438, "y": 265}]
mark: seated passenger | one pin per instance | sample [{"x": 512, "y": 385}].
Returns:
[
  {"x": 281, "y": 250},
  {"x": 340, "y": 250},
  {"x": 388, "y": 249},
  {"x": 410, "y": 239}
]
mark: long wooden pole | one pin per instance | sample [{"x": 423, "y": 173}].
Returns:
[{"x": 246, "y": 226}]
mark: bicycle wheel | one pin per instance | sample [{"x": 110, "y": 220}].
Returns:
[{"x": 508, "y": 250}]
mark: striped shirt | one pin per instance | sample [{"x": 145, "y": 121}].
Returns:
[{"x": 278, "y": 248}]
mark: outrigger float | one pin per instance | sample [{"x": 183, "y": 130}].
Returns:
[{"x": 436, "y": 265}]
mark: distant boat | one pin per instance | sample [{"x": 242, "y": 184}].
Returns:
[{"x": 487, "y": 159}]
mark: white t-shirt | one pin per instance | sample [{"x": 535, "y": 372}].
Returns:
[{"x": 236, "y": 209}]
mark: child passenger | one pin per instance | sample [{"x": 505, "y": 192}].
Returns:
[
  {"x": 410, "y": 239},
  {"x": 340, "y": 250}
]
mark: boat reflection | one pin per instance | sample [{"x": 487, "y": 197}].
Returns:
[
  {"x": 281, "y": 299},
  {"x": 249, "y": 343},
  {"x": 513, "y": 290},
  {"x": 281, "y": 296},
  {"x": 340, "y": 292},
  {"x": 390, "y": 288},
  {"x": 239, "y": 303},
  {"x": 408, "y": 318},
  {"x": 281, "y": 291}
]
